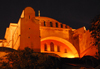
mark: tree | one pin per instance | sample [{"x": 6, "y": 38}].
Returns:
[
  {"x": 28, "y": 59},
  {"x": 89, "y": 60},
  {"x": 95, "y": 28}
]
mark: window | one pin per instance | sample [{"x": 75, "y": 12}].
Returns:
[
  {"x": 65, "y": 50},
  {"x": 58, "y": 48},
  {"x": 29, "y": 16},
  {"x": 51, "y": 24},
  {"x": 51, "y": 46},
  {"x": 65, "y": 26},
  {"x": 56, "y": 24},
  {"x": 61, "y": 25},
  {"x": 45, "y": 47},
  {"x": 44, "y": 23}
]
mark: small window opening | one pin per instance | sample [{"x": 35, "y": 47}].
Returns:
[
  {"x": 29, "y": 17},
  {"x": 44, "y": 23},
  {"x": 45, "y": 47},
  {"x": 56, "y": 24},
  {"x": 65, "y": 50},
  {"x": 51, "y": 24},
  {"x": 52, "y": 46},
  {"x": 58, "y": 48},
  {"x": 61, "y": 25}
]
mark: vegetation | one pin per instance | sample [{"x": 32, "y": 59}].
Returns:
[
  {"x": 95, "y": 28},
  {"x": 28, "y": 59},
  {"x": 89, "y": 60}
]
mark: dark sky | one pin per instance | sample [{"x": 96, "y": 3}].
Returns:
[{"x": 75, "y": 13}]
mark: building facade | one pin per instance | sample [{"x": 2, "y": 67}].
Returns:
[{"x": 47, "y": 35}]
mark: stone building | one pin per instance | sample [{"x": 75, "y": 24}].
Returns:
[{"x": 47, "y": 35}]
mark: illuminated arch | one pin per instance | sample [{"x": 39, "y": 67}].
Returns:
[{"x": 67, "y": 43}]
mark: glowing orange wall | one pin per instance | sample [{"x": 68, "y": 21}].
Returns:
[
  {"x": 63, "y": 33},
  {"x": 86, "y": 44},
  {"x": 16, "y": 37},
  {"x": 10, "y": 35}
]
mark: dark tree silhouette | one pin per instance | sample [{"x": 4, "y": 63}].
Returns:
[
  {"x": 95, "y": 28},
  {"x": 90, "y": 61},
  {"x": 28, "y": 59}
]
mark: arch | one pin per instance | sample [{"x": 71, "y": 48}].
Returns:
[
  {"x": 52, "y": 46},
  {"x": 67, "y": 43}
]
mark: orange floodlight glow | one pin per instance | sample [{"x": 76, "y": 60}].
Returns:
[
  {"x": 47, "y": 35},
  {"x": 66, "y": 49},
  {"x": 71, "y": 56}
]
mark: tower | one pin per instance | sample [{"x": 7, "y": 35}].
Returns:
[{"x": 29, "y": 29}]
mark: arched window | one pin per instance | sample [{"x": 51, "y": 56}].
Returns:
[
  {"x": 44, "y": 23},
  {"x": 45, "y": 47},
  {"x": 61, "y": 25},
  {"x": 58, "y": 48},
  {"x": 65, "y": 50},
  {"x": 51, "y": 24},
  {"x": 51, "y": 46},
  {"x": 56, "y": 24}
]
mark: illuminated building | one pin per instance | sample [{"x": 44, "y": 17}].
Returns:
[{"x": 47, "y": 35}]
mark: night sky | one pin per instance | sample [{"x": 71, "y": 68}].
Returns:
[{"x": 75, "y": 13}]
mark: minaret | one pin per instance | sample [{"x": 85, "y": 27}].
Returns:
[{"x": 39, "y": 13}]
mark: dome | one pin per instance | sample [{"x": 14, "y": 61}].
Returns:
[{"x": 45, "y": 19}]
